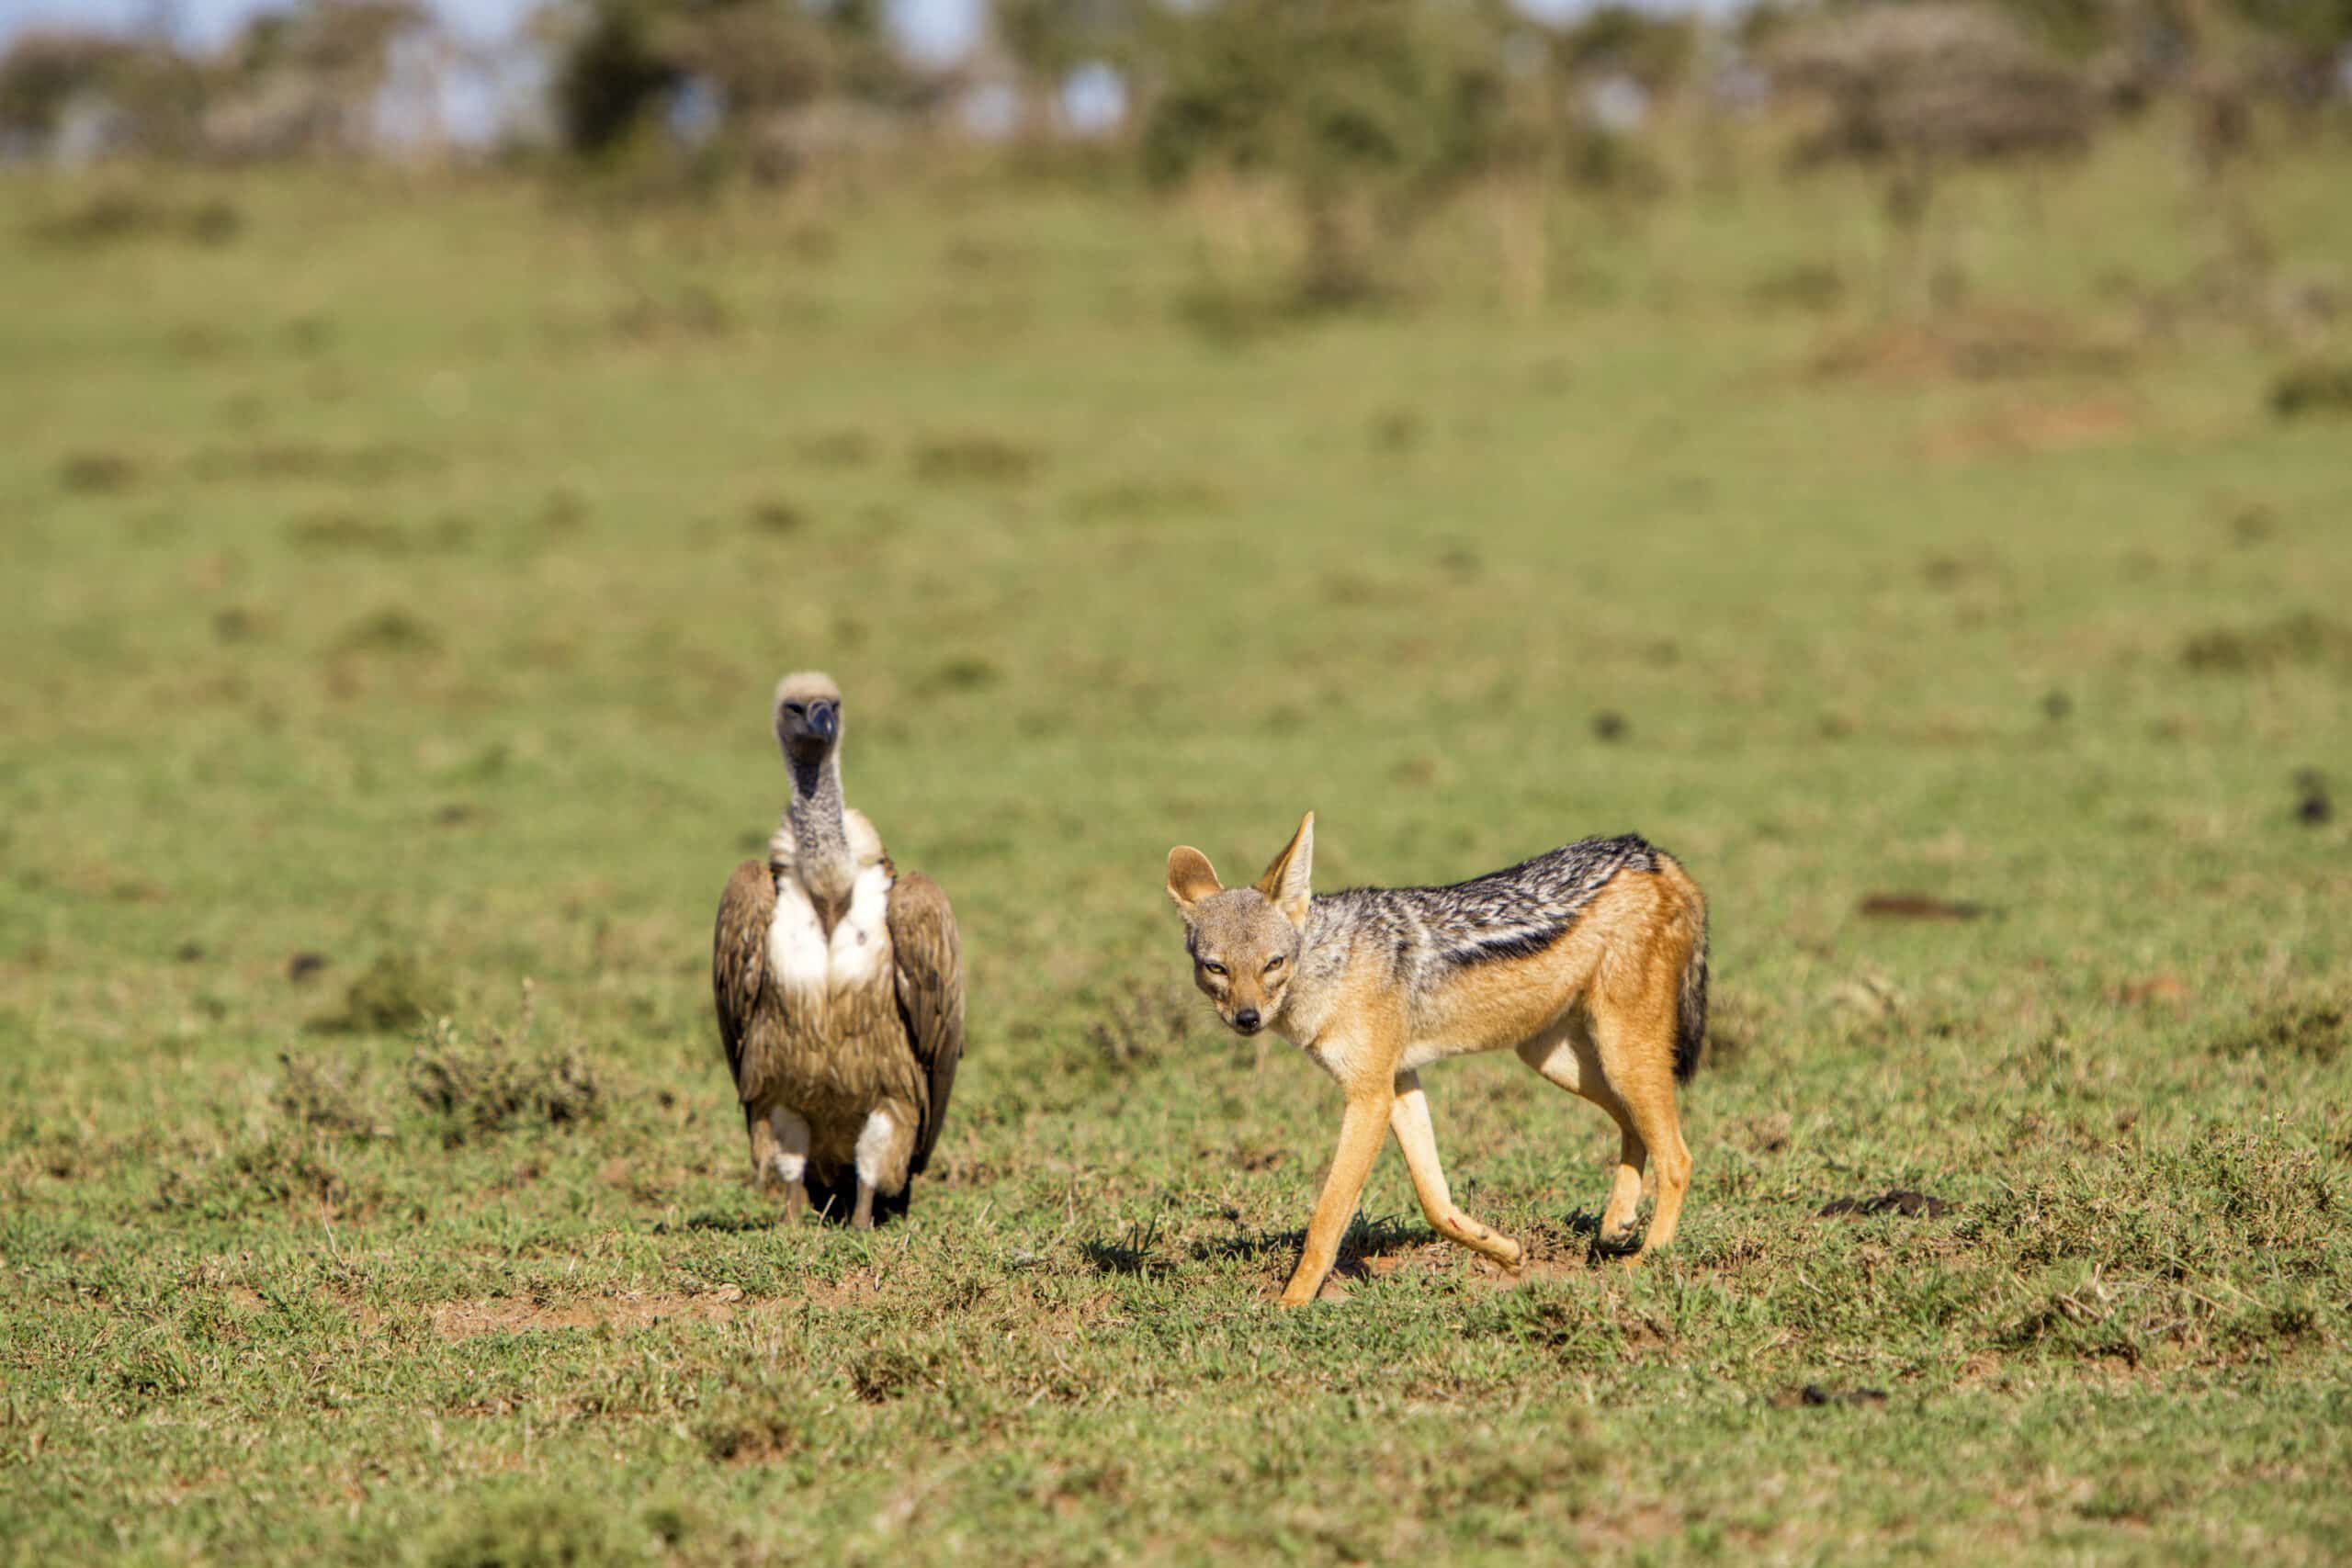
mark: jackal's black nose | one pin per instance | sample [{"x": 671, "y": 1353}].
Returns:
[{"x": 1246, "y": 1019}]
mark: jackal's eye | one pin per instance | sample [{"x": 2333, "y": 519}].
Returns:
[
  {"x": 1211, "y": 966},
  {"x": 1273, "y": 963}
]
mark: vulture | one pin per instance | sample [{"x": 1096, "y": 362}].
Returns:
[{"x": 840, "y": 990}]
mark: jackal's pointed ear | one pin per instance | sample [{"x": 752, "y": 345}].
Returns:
[
  {"x": 1286, "y": 882},
  {"x": 1191, "y": 877}
]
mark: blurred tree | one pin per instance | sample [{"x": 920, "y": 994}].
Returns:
[
  {"x": 1916, "y": 86},
  {"x": 138, "y": 95},
  {"x": 867, "y": 65},
  {"x": 46, "y": 72},
  {"x": 1054, "y": 37},
  {"x": 2311, "y": 39},
  {"x": 620, "y": 62},
  {"x": 1931, "y": 81},
  {"x": 1360, "y": 108},
  {"x": 1048, "y": 40},
  {"x": 1603, "y": 73},
  {"x": 609, "y": 75},
  {"x": 2323, "y": 26},
  {"x": 1650, "y": 48},
  {"x": 309, "y": 79},
  {"x": 758, "y": 56},
  {"x": 2074, "y": 27},
  {"x": 325, "y": 38}
]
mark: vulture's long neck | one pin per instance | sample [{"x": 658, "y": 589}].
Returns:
[{"x": 821, "y": 837}]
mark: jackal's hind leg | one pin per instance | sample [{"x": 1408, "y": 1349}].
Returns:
[
  {"x": 1635, "y": 1039},
  {"x": 1571, "y": 1060},
  {"x": 1410, "y": 1119},
  {"x": 1618, "y": 1217}
]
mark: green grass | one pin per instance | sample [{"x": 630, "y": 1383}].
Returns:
[{"x": 397, "y": 576}]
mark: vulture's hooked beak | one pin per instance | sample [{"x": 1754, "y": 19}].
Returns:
[{"x": 824, "y": 721}]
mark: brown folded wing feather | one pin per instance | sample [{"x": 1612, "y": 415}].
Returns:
[
  {"x": 930, "y": 994},
  {"x": 739, "y": 974}
]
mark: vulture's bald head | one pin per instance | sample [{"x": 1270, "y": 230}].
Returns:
[{"x": 808, "y": 715}]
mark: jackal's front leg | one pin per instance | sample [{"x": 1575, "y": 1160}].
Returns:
[
  {"x": 1361, "y": 1130},
  {"x": 1417, "y": 1138}
]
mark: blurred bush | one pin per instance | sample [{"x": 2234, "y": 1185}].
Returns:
[
  {"x": 1359, "y": 109},
  {"x": 744, "y": 77},
  {"x": 1933, "y": 80}
]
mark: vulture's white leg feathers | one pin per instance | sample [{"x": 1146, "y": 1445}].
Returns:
[{"x": 840, "y": 990}]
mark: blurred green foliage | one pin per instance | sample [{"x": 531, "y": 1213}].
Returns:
[{"x": 1376, "y": 104}]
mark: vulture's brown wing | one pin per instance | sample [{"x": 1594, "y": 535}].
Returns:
[
  {"x": 739, "y": 973},
  {"x": 930, "y": 994}
]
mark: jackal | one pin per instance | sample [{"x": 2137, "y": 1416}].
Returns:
[{"x": 1589, "y": 961}]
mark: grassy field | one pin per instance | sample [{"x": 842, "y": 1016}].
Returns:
[{"x": 397, "y": 575}]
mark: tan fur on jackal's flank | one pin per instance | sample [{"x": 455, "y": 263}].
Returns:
[{"x": 1590, "y": 961}]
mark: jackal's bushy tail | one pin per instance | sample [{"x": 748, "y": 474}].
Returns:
[{"x": 1690, "y": 1003}]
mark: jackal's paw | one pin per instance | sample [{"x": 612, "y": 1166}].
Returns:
[
  {"x": 1625, "y": 1236},
  {"x": 1298, "y": 1292},
  {"x": 1510, "y": 1254}
]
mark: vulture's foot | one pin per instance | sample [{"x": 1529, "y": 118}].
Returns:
[
  {"x": 796, "y": 1203},
  {"x": 861, "y": 1217}
]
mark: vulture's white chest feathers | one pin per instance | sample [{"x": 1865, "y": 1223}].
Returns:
[{"x": 810, "y": 967}]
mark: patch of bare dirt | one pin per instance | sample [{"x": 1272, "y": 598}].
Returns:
[
  {"x": 527, "y": 1314},
  {"x": 1972, "y": 345},
  {"x": 860, "y": 1289},
  {"x": 1482, "y": 1275},
  {"x": 2163, "y": 986},
  {"x": 2034, "y": 427},
  {"x": 1916, "y": 907},
  {"x": 1490, "y": 1277},
  {"x": 1641, "y": 1524}
]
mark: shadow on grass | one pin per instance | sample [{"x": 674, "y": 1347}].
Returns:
[
  {"x": 1110, "y": 1258},
  {"x": 1374, "y": 1237},
  {"x": 1130, "y": 1257},
  {"x": 724, "y": 1225},
  {"x": 718, "y": 1223},
  {"x": 828, "y": 1206},
  {"x": 1382, "y": 1237}
]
